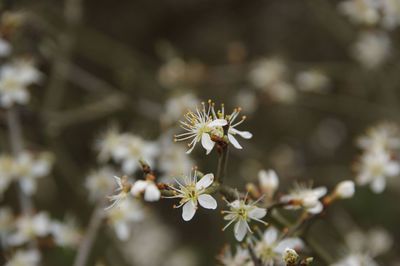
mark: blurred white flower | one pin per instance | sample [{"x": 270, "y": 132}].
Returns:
[
  {"x": 111, "y": 145},
  {"x": 148, "y": 187},
  {"x": 123, "y": 189},
  {"x": 99, "y": 183},
  {"x": 29, "y": 227},
  {"x": 240, "y": 258},
  {"x": 267, "y": 72},
  {"x": 361, "y": 11},
  {"x": 356, "y": 259},
  {"x": 372, "y": 49},
  {"x": 269, "y": 182},
  {"x": 390, "y": 13},
  {"x": 14, "y": 80},
  {"x": 177, "y": 106},
  {"x": 247, "y": 99},
  {"x": 193, "y": 192},
  {"x": 199, "y": 125},
  {"x": 128, "y": 211},
  {"x": 65, "y": 234},
  {"x": 29, "y": 167},
  {"x": 375, "y": 167},
  {"x": 5, "y": 48},
  {"x": 25, "y": 258},
  {"x": 271, "y": 247},
  {"x": 241, "y": 214},
  {"x": 345, "y": 189},
  {"x": 382, "y": 136},
  {"x": 305, "y": 197},
  {"x": 312, "y": 81}
]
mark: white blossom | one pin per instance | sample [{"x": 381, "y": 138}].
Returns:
[
  {"x": 269, "y": 182},
  {"x": 356, "y": 259},
  {"x": 65, "y": 234},
  {"x": 241, "y": 257},
  {"x": 122, "y": 192},
  {"x": 148, "y": 187},
  {"x": 241, "y": 214},
  {"x": 99, "y": 183},
  {"x": 305, "y": 197},
  {"x": 361, "y": 11},
  {"x": 193, "y": 192},
  {"x": 267, "y": 72},
  {"x": 177, "y": 106},
  {"x": 382, "y": 136},
  {"x": 312, "y": 81},
  {"x": 290, "y": 256},
  {"x": 345, "y": 189},
  {"x": 271, "y": 247},
  {"x": 29, "y": 257}
]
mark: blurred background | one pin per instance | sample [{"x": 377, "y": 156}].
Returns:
[{"x": 309, "y": 78}]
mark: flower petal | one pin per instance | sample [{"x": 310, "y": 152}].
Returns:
[
  {"x": 207, "y": 201},
  {"x": 122, "y": 231},
  {"x": 270, "y": 235},
  {"x": 316, "y": 209},
  {"x": 243, "y": 134},
  {"x": 293, "y": 243},
  {"x": 152, "y": 193},
  {"x": 319, "y": 192},
  {"x": 378, "y": 185},
  {"x": 206, "y": 142},
  {"x": 205, "y": 181},
  {"x": 240, "y": 230},
  {"x": 257, "y": 213},
  {"x": 218, "y": 123},
  {"x": 234, "y": 142},
  {"x": 188, "y": 210},
  {"x": 138, "y": 187}
]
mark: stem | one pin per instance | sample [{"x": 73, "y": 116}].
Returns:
[
  {"x": 94, "y": 225},
  {"x": 15, "y": 135},
  {"x": 222, "y": 164}
]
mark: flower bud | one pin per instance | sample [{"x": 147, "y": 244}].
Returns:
[
  {"x": 290, "y": 256},
  {"x": 268, "y": 181},
  {"x": 345, "y": 189}
]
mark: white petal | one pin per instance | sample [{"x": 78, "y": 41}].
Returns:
[
  {"x": 240, "y": 230},
  {"x": 189, "y": 210},
  {"x": 205, "y": 181},
  {"x": 293, "y": 243},
  {"x": 319, "y": 192},
  {"x": 122, "y": 231},
  {"x": 243, "y": 134},
  {"x": 152, "y": 193},
  {"x": 378, "y": 185},
  {"x": 218, "y": 123},
  {"x": 206, "y": 142},
  {"x": 257, "y": 213},
  {"x": 270, "y": 235},
  {"x": 138, "y": 187},
  {"x": 316, "y": 209},
  {"x": 28, "y": 186},
  {"x": 129, "y": 166},
  {"x": 207, "y": 201},
  {"x": 234, "y": 142},
  {"x": 392, "y": 169}
]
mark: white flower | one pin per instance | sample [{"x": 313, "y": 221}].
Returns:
[
  {"x": 5, "y": 48},
  {"x": 177, "y": 106},
  {"x": 199, "y": 126},
  {"x": 304, "y": 197},
  {"x": 345, "y": 189},
  {"x": 123, "y": 189},
  {"x": 391, "y": 13},
  {"x": 356, "y": 259},
  {"x": 99, "y": 183},
  {"x": 14, "y": 80},
  {"x": 193, "y": 192},
  {"x": 241, "y": 214},
  {"x": 267, "y": 72},
  {"x": 361, "y": 11},
  {"x": 29, "y": 167},
  {"x": 312, "y": 81},
  {"x": 30, "y": 227},
  {"x": 128, "y": 211},
  {"x": 25, "y": 258},
  {"x": 240, "y": 258},
  {"x": 383, "y": 136},
  {"x": 372, "y": 49},
  {"x": 271, "y": 247},
  {"x": 375, "y": 167},
  {"x": 111, "y": 145},
  {"x": 290, "y": 256},
  {"x": 230, "y": 120},
  {"x": 65, "y": 234},
  {"x": 148, "y": 187},
  {"x": 269, "y": 182}
]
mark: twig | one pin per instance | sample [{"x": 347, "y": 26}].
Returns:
[{"x": 222, "y": 164}]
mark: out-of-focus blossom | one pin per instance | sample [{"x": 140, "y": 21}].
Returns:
[
  {"x": 120, "y": 218},
  {"x": 25, "y": 258},
  {"x": 356, "y": 259},
  {"x": 148, "y": 188},
  {"x": 199, "y": 126},
  {"x": 305, "y": 197},
  {"x": 29, "y": 227},
  {"x": 65, "y": 234},
  {"x": 29, "y": 167},
  {"x": 372, "y": 49},
  {"x": 111, "y": 145},
  {"x": 241, "y": 214},
  {"x": 267, "y": 72},
  {"x": 5, "y": 48},
  {"x": 193, "y": 192},
  {"x": 176, "y": 106},
  {"x": 177, "y": 73},
  {"x": 345, "y": 189},
  {"x": 99, "y": 183},
  {"x": 375, "y": 167},
  {"x": 247, "y": 99},
  {"x": 122, "y": 192},
  {"x": 312, "y": 81},
  {"x": 391, "y": 13},
  {"x": 383, "y": 136},
  {"x": 361, "y": 11},
  {"x": 271, "y": 247},
  {"x": 269, "y": 182},
  {"x": 14, "y": 80},
  {"x": 241, "y": 257}
]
